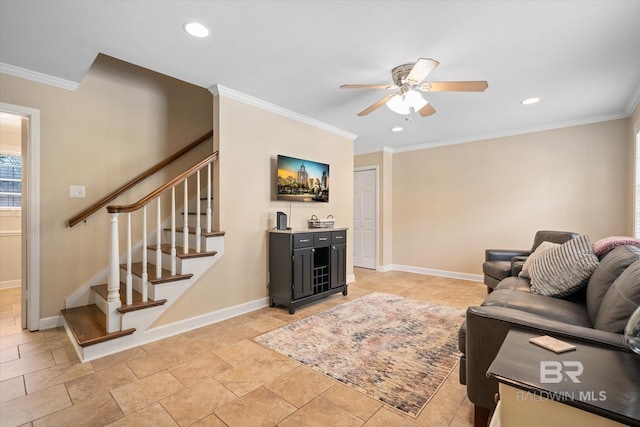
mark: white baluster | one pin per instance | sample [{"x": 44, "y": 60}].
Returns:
[
  {"x": 185, "y": 232},
  {"x": 198, "y": 229},
  {"x": 159, "y": 243},
  {"x": 145, "y": 274},
  {"x": 173, "y": 231},
  {"x": 209, "y": 210},
  {"x": 129, "y": 282},
  {"x": 113, "y": 283}
]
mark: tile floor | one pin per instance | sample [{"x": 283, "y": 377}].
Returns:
[{"x": 213, "y": 376}]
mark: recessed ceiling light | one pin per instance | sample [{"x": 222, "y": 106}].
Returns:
[
  {"x": 530, "y": 101},
  {"x": 196, "y": 29},
  {"x": 397, "y": 129}
]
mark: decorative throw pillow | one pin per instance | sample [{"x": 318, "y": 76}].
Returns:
[
  {"x": 542, "y": 248},
  {"x": 606, "y": 245},
  {"x": 563, "y": 270}
]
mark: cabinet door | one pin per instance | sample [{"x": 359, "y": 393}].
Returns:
[
  {"x": 302, "y": 273},
  {"x": 338, "y": 265}
]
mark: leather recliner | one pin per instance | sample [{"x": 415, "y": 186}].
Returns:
[{"x": 502, "y": 263}]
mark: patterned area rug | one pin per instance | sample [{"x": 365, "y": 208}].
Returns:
[{"x": 394, "y": 349}]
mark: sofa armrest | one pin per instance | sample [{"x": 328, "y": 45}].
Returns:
[
  {"x": 504, "y": 254},
  {"x": 517, "y": 262},
  {"x": 486, "y": 330}
]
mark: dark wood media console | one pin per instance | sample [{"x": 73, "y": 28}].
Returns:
[{"x": 306, "y": 265}]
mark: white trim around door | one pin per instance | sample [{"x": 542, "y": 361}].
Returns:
[
  {"x": 30, "y": 223},
  {"x": 376, "y": 214}
]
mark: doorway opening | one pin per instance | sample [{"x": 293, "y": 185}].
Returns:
[{"x": 19, "y": 209}]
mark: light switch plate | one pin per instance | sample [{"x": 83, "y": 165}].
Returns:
[{"x": 77, "y": 191}]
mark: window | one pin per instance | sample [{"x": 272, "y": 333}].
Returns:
[
  {"x": 10, "y": 181},
  {"x": 637, "y": 197}
]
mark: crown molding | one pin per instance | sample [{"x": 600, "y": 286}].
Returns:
[
  {"x": 219, "y": 90},
  {"x": 633, "y": 103},
  {"x": 512, "y": 132},
  {"x": 37, "y": 77}
]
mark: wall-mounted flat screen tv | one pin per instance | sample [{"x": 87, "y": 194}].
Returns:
[{"x": 302, "y": 180}]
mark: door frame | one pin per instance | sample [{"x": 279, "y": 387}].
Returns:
[
  {"x": 376, "y": 192},
  {"x": 30, "y": 227}
]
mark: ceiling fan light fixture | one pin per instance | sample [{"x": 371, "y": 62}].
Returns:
[
  {"x": 402, "y": 104},
  {"x": 530, "y": 101},
  {"x": 196, "y": 29}
]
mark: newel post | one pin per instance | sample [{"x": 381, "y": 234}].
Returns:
[
  {"x": 114, "y": 261},
  {"x": 113, "y": 282}
]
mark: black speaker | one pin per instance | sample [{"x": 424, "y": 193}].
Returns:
[{"x": 281, "y": 221}]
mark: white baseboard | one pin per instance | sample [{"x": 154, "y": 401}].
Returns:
[
  {"x": 8, "y": 284},
  {"x": 351, "y": 278},
  {"x": 384, "y": 268},
  {"x": 440, "y": 273},
  {"x": 51, "y": 322},
  {"x": 205, "y": 319},
  {"x": 106, "y": 348}
]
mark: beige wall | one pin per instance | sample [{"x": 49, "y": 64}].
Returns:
[
  {"x": 634, "y": 128},
  {"x": 451, "y": 203},
  {"x": 120, "y": 121},
  {"x": 249, "y": 140}
]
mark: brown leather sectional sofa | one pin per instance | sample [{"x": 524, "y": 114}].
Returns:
[{"x": 596, "y": 314}]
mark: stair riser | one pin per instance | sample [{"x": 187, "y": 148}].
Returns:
[
  {"x": 207, "y": 244},
  {"x": 166, "y": 261},
  {"x": 183, "y": 266},
  {"x": 180, "y": 237},
  {"x": 135, "y": 280},
  {"x": 192, "y": 220}
]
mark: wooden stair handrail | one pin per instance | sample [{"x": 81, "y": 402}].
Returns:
[
  {"x": 82, "y": 216},
  {"x": 158, "y": 191}
]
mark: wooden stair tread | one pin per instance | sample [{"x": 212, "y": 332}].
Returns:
[
  {"x": 136, "y": 300},
  {"x": 89, "y": 325},
  {"x": 203, "y": 233},
  {"x": 136, "y": 268},
  {"x": 166, "y": 248}
]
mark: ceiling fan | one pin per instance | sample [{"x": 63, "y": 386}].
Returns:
[{"x": 408, "y": 79}]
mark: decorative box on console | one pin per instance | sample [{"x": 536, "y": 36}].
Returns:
[{"x": 328, "y": 222}]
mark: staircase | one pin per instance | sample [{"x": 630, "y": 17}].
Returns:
[{"x": 120, "y": 312}]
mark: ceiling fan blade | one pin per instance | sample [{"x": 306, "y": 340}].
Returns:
[
  {"x": 368, "y": 87},
  {"x": 427, "y": 110},
  {"x": 376, "y": 105},
  {"x": 421, "y": 70},
  {"x": 477, "y": 86}
]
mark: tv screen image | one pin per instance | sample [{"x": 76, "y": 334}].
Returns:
[{"x": 302, "y": 180}]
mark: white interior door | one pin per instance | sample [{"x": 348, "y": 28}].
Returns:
[{"x": 364, "y": 218}]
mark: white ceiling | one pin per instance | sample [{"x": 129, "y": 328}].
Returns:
[{"x": 581, "y": 57}]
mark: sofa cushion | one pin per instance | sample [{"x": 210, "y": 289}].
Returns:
[
  {"x": 563, "y": 270},
  {"x": 542, "y": 248},
  {"x": 515, "y": 283},
  {"x": 550, "y": 308},
  {"x": 611, "y": 266},
  {"x": 620, "y": 301}
]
